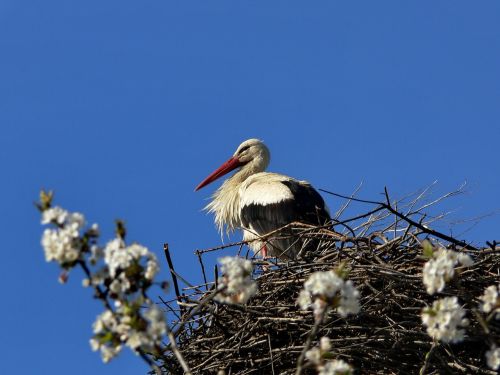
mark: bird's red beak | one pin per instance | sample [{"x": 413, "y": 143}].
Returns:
[{"x": 225, "y": 168}]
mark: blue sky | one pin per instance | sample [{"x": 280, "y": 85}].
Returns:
[{"x": 123, "y": 107}]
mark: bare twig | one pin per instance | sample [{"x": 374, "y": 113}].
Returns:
[
  {"x": 172, "y": 271},
  {"x": 307, "y": 344},
  {"x": 178, "y": 354}
]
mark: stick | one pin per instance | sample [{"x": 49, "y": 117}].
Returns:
[
  {"x": 172, "y": 272},
  {"x": 178, "y": 354},
  {"x": 307, "y": 344},
  {"x": 198, "y": 254}
]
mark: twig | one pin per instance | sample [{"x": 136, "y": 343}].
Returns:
[
  {"x": 178, "y": 354},
  {"x": 270, "y": 352},
  {"x": 200, "y": 260},
  {"x": 388, "y": 207},
  {"x": 428, "y": 356},
  {"x": 307, "y": 344},
  {"x": 172, "y": 271},
  {"x": 346, "y": 204}
]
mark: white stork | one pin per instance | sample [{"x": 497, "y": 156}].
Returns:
[{"x": 260, "y": 202}]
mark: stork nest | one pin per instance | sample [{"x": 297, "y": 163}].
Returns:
[{"x": 383, "y": 251}]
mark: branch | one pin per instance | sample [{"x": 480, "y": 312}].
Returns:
[{"x": 424, "y": 229}]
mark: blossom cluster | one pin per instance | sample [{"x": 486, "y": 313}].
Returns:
[
  {"x": 126, "y": 266},
  {"x": 236, "y": 284},
  {"x": 125, "y": 326},
  {"x": 441, "y": 268},
  {"x": 491, "y": 304},
  {"x": 119, "y": 273},
  {"x": 325, "y": 290},
  {"x": 61, "y": 244},
  {"x": 491, "y": 300},
  {"x": 321, "y": 356},
  {"x": 445, "y": 319}
]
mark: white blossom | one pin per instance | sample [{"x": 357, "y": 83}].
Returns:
[
  {"x": 491, "y": 300},
  {"x": 157, "y": 326},
  {"x": 304, "y": 300},
  {"x": 314, "y": 356},
  {"x": 349, "y": 302},
  {"x": 76, "y": 219},
  {"x": 445, "y": 319},
  {"x": 152, "y": 267},
  {"x": 109, "y": 352},
  {"x": 62, "y": 217},
  {"x": 56, "y": 215},
  {"x": 119, "y": 257},
  {"x": 441, "y": 268},
  {"x": 493, "y": 358},
  {"x": 150, "y": 336},
  {"x": 95, "y": 345},
  {"x": 336, "y": 367},
  {"x": 112, "y": 329},
  {"x": 105, "y": 321},
  {"x": 116, "y": 257},
  {"x": 59, "y": 245},
  {"x": 138, "y": 339},
  {"x": 327, "y": 289},
  {"x": 317, "y": 357},
  {"x": 465, "y": 260},
  {"x": 326, "y": 284},
  {"x": 324, "y": 344},
  {"x": 95, "y": 228},
  {"x": 120, "y": 284},
  {"x": 236, "y": 284}
]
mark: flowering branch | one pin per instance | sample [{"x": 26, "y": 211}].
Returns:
[
  {"x": 322, "y": 292},
  {"x": 120, "y": 276},
  {"x": 445, "y": 320},
  {"x": 307, "y": 344}
]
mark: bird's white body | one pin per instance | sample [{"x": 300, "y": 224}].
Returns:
[
  {"x": 260, "y": 188},
  {"x": 259, "y": 202},
  {"x": 265, "y": 188}
]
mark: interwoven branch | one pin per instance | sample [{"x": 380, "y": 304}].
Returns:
[{"x": 383, "y": 252}]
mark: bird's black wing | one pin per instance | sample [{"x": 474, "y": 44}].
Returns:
[{"x": 305, "y": 206}]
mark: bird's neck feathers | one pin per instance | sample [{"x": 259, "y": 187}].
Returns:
[{"x": 225, "y": 202}]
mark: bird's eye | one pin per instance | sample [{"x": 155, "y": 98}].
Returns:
[{"x": 243, "y": 149}]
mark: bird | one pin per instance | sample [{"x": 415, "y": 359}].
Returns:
[{"x": 260, "y": 202}]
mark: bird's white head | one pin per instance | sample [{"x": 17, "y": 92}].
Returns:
[
  {"x": 252, "y": 156},
  {"x": 253, "y": 151}
]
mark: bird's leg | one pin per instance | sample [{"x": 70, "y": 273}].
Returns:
[{"x": 264, "y": 251}]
